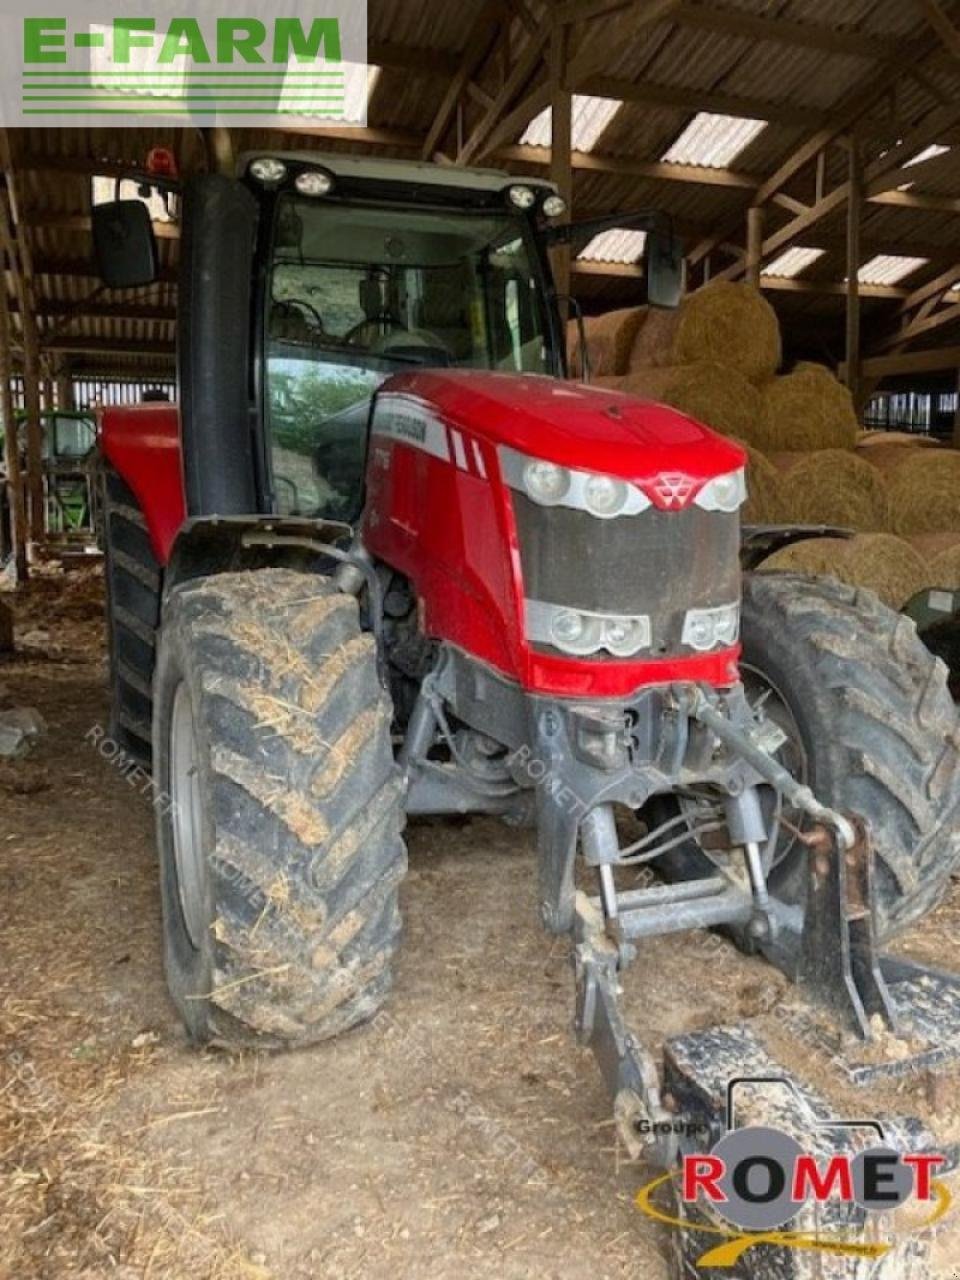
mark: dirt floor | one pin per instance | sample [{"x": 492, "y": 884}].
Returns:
[{"x": 463, "y": 1133}]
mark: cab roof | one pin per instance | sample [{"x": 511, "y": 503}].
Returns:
[{"x": 372, "y": 168}]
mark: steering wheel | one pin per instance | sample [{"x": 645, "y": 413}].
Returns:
[
  {"x": 298, "y": 305},
  {"x": 384, "y": 318}
]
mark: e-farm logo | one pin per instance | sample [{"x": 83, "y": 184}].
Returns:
[{"x": 86, "y": 66}]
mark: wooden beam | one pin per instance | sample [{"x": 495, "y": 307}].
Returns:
[
  {"x": 828, "y": 288},
  {"x": 912, "y": 362},
  {"x": 81, "y": 222},
  {"x": 561, "y": 168},
  {"x": 572, "y": 11},
  {"x": 623, "y": 27},
  {"x": 85, "y": 268},
  {"x": 11, "y": 438},
  {"x": 854, "y": 215},
  {"x": 874, "y": 177},
  {"x": 648, "y": 93},
  {"x": 111, "y": 346},
  {"x": 755, "y": 216},
  {"x": 480, "y": 38},
  {"x": 590, "y": 161},
  {"x": 401, "y": 57},
  {"x": 515, "y": 82},
  {"x": 106, "y": 310},
  {"x": 911, "y": 200},
  {"x": 806, "y": 35},
  {"x": 942, "y": 25},
  {"x": 941, "y": 284},
  {"x": 848, "y": 112},
  {"x": 918, "y": 327}
]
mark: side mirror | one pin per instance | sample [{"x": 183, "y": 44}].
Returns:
[
  {"x": 666, "y": 265},
  {"x": 124, "y": 244},
  {"x": 666, "y": 269}
]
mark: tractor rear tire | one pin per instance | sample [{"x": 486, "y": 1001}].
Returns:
[
  {"x": 878, "y": 734},
  {"x": 281, "y": 810},
  {"x": 133, "y": 581}
]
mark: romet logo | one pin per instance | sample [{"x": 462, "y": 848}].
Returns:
[
  {"x": 758, "y": 1179},
  {"x": 91, "y": 66}
]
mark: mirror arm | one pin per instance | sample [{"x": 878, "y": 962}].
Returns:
[
  {"x": 641, "y": 220},
  {"x": 586, "y": 373}
]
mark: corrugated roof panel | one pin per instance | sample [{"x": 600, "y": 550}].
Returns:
[
  {"x": 712, "y": 140},
  {"x": 589, "y": 118},
  {"x": 888, "y": 268},
  {"x": 617, "y": 245},
  {"x": 790, "y": 263}
]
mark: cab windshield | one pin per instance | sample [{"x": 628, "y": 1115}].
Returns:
[{"x": 356, "y": 294}]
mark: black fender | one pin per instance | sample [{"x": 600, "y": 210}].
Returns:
[
  {"x": 759, "y": 541},
  {"x": 207, "y": 545}
]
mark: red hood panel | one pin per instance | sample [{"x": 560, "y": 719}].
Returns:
[{"x": 587, "y": 428}]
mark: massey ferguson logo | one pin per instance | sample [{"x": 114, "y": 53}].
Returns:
[{"x": 673, "y": 489}]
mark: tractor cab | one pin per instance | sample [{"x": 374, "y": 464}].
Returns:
[{"x": 333, "y": 273}]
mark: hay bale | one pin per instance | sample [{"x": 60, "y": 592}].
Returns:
[
  {"x": 720, "y": 398},
  {"x": 653, "y": 344},
  {"x": 834, "y": 487},
  {"x": 808, "y": 410},
  {"x": 765, "y": 498},
  {"x": 732, "y": 325},
  {"x": 888, "y": 458},
  {"x": 816, "y": 556},
  {"x": 878, "y": 562},
  {"x": 610, "y": 340},
  {"x": 879, "y": 439},
  {"x": 925, "y": 492},
  {"x": 945, "y": 570},
  {"x": 931, "y": 545},
  {"x": 886, "y": 565}
]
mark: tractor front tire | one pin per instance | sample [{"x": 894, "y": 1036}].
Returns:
[
  {"x": 280, "y": 810},
  {"x": 874, "y": 728}
]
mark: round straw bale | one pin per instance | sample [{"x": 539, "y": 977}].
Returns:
[
  {"x": 653, "y": 344},
  {"x": 945, "y": 570},
  {"x": 834, "y": 486},
  {"x": 878, "y": 439},
  {"x": 925, "y": 492},
  {"x": 765, "y": 499},
  {"x": 879, "y": 562},
  {"x": 808, "y": 410},
  {"x": 732, "y": 325},
  {"x": 720, "y": 398},
  {"x": 817, "y": 556},
  {"x": 931, "y": 545},
  {"x": 888, "y": 458},
  {"x": 610, "y": 340}
]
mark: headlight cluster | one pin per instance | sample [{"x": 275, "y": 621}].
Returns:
[
  {"x": 270, "y": 172},
  {"x": 581, "y": 633},
  {"x": 725, "y": 493},
  {"x": 523, "y": 198},
  {"x": 603, "y": 496},
  {"x": 706, "y": 629},
  {"x": 551, "y": 485}
]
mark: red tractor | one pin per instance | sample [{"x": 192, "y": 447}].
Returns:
[{"x": 384, "y": 561}]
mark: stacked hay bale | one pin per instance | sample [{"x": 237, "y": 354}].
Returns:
[
  {"x": 716, "y": 358},
  {"x": 880, "y": 562}
]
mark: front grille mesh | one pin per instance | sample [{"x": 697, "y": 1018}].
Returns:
[{"x": 658, "y": 563}]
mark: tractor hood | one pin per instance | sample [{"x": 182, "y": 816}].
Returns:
[{"x": 584, "y": 427}]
